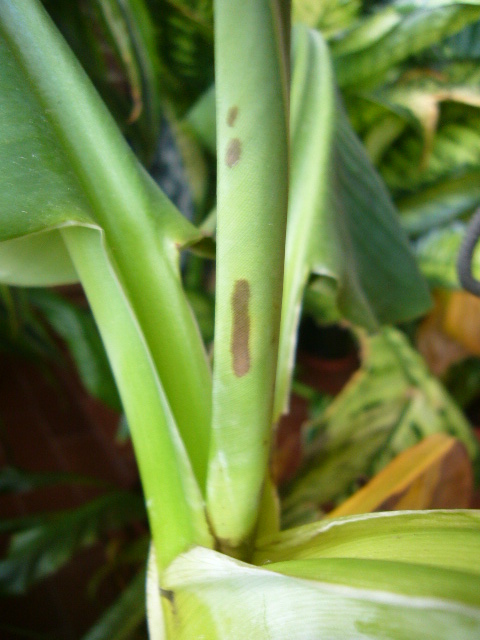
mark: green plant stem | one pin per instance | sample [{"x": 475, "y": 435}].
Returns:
[
  {"x": 252, "y": 117},
  {"x": 142, "y": 228},
  {"x": 173, "y": 498}
]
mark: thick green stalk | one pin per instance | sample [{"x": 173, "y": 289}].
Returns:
[
  {"x": 173, "y": 498},
  {"x": 142, "y": 228},
  {"x": 252, "y": 116}
]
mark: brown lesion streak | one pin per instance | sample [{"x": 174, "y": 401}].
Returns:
[{"x": 240, "y": 343}]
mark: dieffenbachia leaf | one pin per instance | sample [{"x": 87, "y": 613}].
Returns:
[
  {"x": 375, "y": 44},
  {"x": 444, "y": 202},
  {"x": 455, "y": 150},
  {"x": 71, "y": 191},
  {"x": 342, "y": 225},
  {"x": 390, "y": 404},
  {"x": 421, "y": 93},
  {"x": 185, "y": 48},
  {"x": 437, "y": 253},
  {"x": 464, "y": 45},
  {"x": 330, "y": 17},
  {"x": 348, "y": 580}
]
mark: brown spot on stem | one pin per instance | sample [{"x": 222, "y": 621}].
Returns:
[
  {"x": 232, "y": 116},
  {"x": 234, "y": 151},
  {"x": 240, "y": 347}
]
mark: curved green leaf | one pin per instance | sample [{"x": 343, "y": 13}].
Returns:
[
  {"x": 395, "y": 32},
  {"x": 208, "y": 594},
  {"x": 400, "y": 578},
  {"x": 439, "y": 204},
  {"x": 65, "y": 170},
  {"x": 342, "y": 224},
  {"x": 438, "y": 253},
  {"x": 448, "y": 539}
]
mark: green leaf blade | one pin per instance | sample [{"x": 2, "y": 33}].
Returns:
[
  {"x": 45, "y": 547},
  {"x": 141, "y": 227},
  {"x": 224, "y": 599},
  {"x": 342, "y": 224},
  {"x": 401, "y": 29}
]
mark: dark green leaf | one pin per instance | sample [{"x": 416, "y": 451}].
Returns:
[
  {"x": 13, "y": 479},
  {"x": 77, "y": 327},
  {"x": 36, "y": 552},
  {"x": 115, "y": 42},
  {"x": 445, "y": 201},
  {"x": 185, "y": 42},
  {"x": 438, "y": 252}
]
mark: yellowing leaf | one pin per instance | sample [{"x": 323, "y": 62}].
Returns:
[
  {"x": 434, "y": 474},
  {"x": 462, "y": 320}
]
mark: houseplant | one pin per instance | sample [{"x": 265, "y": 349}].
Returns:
[{"x": 75, "y": 204}]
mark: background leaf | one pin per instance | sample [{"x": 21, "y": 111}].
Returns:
[
  {"x": 342, "y": 227},
  {"x": 77, "y": 327},
  {"x": 367, "y": 53},
  {"x": 392, "y": 403},
  {"x": 125, "y": 616},
  {"x": 38, "y": 551}
]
